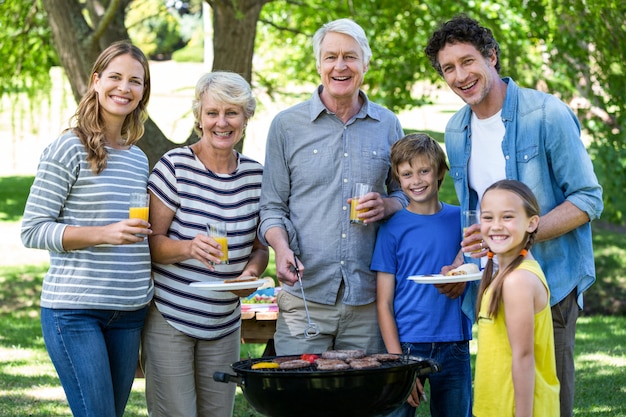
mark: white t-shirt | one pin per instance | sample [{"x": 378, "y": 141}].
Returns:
[{"x": 486, "y": 163}]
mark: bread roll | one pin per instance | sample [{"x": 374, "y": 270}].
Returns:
[
  {"x": 465, "y": 269},
  {"x": 240, "y": 279}
]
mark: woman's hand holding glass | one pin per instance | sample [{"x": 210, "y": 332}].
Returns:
[{"x": 206, "y": 250}]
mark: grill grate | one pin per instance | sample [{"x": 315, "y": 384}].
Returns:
[{"x": 246, "y": 366}]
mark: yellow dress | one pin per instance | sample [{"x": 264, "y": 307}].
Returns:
[{"x": 493, "y": 382}]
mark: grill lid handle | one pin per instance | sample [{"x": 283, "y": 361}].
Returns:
[{"x": 226, "y": 378}]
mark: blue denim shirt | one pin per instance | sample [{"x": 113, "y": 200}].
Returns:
[
  {"x": 312, "y": 160},
  {"x": 543, "y": 149}
]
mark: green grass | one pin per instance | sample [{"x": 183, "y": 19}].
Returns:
[{"x": 29, "y": 385}]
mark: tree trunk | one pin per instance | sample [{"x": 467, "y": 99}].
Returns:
[
  {"x": 72, "y": 39},
  {"x": 234, "y": 32},
  {"x": 78, "y": 45}
]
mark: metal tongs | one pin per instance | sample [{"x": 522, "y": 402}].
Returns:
[{"x": 311, "y": 329}]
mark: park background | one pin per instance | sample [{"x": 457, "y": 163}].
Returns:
[{"x": 28, "y": 383}]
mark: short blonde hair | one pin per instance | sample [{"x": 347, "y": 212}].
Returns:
[{"x": 226, "y": 88}]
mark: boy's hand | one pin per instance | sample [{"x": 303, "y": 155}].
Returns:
[{"x": 452, "y": 290}]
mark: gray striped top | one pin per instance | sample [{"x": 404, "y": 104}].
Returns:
[
  {"x": 196, "y": 196},
  {"x": 66, "y": 192}
]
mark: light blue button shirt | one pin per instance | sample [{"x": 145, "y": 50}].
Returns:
[
  {"x": 312, "y": 160},
  {"x": 543, "y": 149}
]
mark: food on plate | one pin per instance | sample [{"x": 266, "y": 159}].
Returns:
[
  {"x": 265, "y": 365},
  {"x": 331, "y": 364},
  {"x": 465, "y": 269},
  {"x": 343, "y": 354},
  {"x": 364, "y": 363},
  {"x": 295, "y": 364},
  {"x": 240, "y": 279}
]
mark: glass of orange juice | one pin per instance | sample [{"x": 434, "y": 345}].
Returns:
[
  {"x": 470, "y": 217},
  {"x": 358, "y": 190},
  {"x": 218, "y": 231},
  {"x": 139, "y": 206}
]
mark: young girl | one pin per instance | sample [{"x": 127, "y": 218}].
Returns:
[{"x": 515, "y": 364}]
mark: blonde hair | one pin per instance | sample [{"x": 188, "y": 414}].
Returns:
[
  {"x": 225, "y": 88},
  {"x": 87, "y": 121},
  {"x": 531, "y": 207}
]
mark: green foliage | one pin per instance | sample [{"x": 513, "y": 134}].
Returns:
[
  {"x": 153, "y": 28},
  {"x": 586, "y": 45},
  {"x": 575, "y": 49},
  {"x": 569, "y": 48},
  {"x": 25, "y": 41}
]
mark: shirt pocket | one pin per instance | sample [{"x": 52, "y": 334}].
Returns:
[
  {"x": 314, "y": 165},
  {"x": 375, "y": 164},
  {"x": 527, "y": 154}
]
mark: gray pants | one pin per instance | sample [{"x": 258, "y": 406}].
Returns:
[
  {"x": 564, "y": 316},
  {"x": 179, "y": 371},
  {"x": 341, "y": 327}
]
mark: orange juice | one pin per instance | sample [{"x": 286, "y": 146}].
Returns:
[
  {"x": 223, "y": 241},
  {"x": 354, "y": 218},
  {"x": 138, "y": 213}
]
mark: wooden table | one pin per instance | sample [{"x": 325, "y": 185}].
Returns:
[{"x": 259, "y": 327}]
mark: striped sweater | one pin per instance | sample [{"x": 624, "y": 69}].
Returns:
[
  {"x": 198, "y": 196},
  {"x": 66, "y": 192}
]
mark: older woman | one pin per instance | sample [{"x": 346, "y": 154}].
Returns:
[{"x": 191, "y": 333}]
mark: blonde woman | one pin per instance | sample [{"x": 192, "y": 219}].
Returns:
[{"x": 95, "y": 295}]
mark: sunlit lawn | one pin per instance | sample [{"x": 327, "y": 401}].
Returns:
[{"x": 29, "y": 386}]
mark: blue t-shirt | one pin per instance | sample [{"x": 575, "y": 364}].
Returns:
[{"x": 414, "y": 244}]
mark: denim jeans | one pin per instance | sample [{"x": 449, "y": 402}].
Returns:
[
  {"x": 95, "y": 353},
  {"x": 451, "y": 387}
]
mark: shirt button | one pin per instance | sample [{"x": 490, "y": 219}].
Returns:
[
  {"x": 525, "y": 157},
  {"x": 345, "y": 180},
  {"x": 506, "y": 157},
  {"x": 342, "y": 262},
  {"x": 345, "y": 208},
  {"x": 314, "y": 150},
  {"x": 343, "y": 235},
  {"x": 345, "y": 154},
  {"x": 374, "y": 152}
]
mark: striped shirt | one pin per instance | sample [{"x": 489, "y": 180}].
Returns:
[
  {"x": 67, "y": 192},
  {"x": 198, "y": 196}
]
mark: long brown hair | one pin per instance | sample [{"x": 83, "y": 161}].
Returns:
[
  {"x": 531, "y": 207},
  {"x": 87, "y": 121}
]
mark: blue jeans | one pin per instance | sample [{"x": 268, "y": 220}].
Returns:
[
  {"x": 451, "y": 387},
  {"x": 95, "y": 353}
]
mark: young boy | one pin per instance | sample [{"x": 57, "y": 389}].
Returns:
[{"x": 416, "y": 318}]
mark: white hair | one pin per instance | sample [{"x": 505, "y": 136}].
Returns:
[{"x": 347, "y": 27}]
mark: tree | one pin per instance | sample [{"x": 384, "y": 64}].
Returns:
[
  {"x": 564, "y": 46},
  {"x": 96, "y": 24}
]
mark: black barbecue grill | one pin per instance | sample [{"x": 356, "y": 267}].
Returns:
[{"x": 309, "y": 392}]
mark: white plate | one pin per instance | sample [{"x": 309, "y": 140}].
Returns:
[
  {"x": 220, "y": 286},
  {"x": 442, "y": 279}
]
